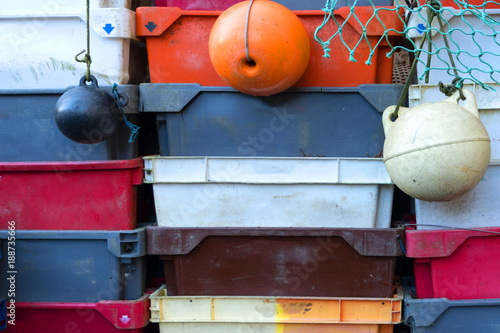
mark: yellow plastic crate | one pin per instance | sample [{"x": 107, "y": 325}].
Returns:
[{"x": 224, "y": 314}]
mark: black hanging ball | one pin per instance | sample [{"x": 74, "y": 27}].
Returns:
[{"x": 87, "y": 114}]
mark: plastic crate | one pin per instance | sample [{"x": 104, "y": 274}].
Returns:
[
  {"x": 475, "y": 209},
  {"x": 217, "y": 121},
  {"x": 270, "y": 192},
  {"x": 100, "y": 317},
  {"x": 177, "y": 42},
  {"x": 290, "y": 4},
  {"x": 40, "y": 40},
  {"x": 442, "y": 315},
  {"x": 3, "y": 314},
  {"x": 307, "y": 262},
  {"x": 464, "y": 40},
  {"x": 455, "y": 264},
  {"x": 76, "y": 266},
  {"x": 70, "y": 195},
  {"x": 30, "y": 133},
  {"x": 271, "y": 314}
]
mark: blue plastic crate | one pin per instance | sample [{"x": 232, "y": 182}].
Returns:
[
  {"x": 217, "y": 121},
  {"x": 439, "y": 315},
  {"x": 29, "y": 132},
  {"x": 3, "y": 314},
  {"x": 76, "y": 266}
]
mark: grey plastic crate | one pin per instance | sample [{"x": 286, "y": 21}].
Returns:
[
  {"x": 29, "y": 132},
  {"x": 217, "y": 121},
  {"x": 75, "y": 266},
  {"x": 438, "y": 315}
]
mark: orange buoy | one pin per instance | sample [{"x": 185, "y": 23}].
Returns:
[{"x": 274, "y": 39}]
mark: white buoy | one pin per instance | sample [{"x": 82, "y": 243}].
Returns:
[{"x": 436, "y": 151}]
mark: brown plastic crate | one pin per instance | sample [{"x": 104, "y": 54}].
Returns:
[{"x": 318, "y": 262}]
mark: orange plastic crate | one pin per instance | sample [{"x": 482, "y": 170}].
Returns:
[{"x": 177, "y": 43}]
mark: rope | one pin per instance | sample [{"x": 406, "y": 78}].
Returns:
[
  {"x": 246, "y": 31},
  {"x": 450, "y": 89},
  {"x": 134, "y": 128},
  {"x": 86, "y": 59}
]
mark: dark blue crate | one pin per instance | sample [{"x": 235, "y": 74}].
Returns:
[
  {"x": 76, "y": 266},
  {"x": 3, "y": 314},
  {"x": 439, "y": 315},
  {"x": 29, "y": 132},
  {"x": 217, "y": 121}
]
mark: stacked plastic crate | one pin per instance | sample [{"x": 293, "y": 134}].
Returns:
[
  {"x": 73, "y": 258},
  {"x": 272, "y": 214},
  {"x": 454, "y": 243}
]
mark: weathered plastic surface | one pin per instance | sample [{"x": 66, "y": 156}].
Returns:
[
  {"x": 455, "y": 264},
  {"x": 76, "y": 266},
  {"x": 29, "y": 131},
  {"x": 219, "y": 121},
  {"x": 442, "y": 315},
  {"x": 285, "y": 262},
  {"x": 475, "y": 209},
  {"x": 488, "y": 103},
  {"x": 219, "y": 309},
  {"x": 70, "y": 195},
  {"x": 290, "y": 4},
  {"x": 100, "y": 317},
  {"x": 477, "y": 50},
  {"x": 270, "y": 192},
  {"x": 40, "y": 6},
  {"x": 285, "y": 328},
  {"x": 177, "y": 42},
  {"x": 39, "y": 53},
  {"x": 272, "y": 314}
]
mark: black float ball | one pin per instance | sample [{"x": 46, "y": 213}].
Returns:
[{"x": 87, "y": 114}]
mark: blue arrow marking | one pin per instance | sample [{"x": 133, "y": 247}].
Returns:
[
  {"x": 421, "y": 27},
  {"x": 108, "y": 28},
  {"x": 151, "y": 26}
]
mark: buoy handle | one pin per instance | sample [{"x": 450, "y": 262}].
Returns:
[
  {"x": 93, "y": 82},
  {"x": 470, "y": 104},
  {"x": 387, "y": 117}
]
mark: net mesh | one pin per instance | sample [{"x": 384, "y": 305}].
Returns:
[{"x": 453, "y": 40}]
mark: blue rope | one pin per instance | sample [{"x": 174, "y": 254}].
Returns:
[{"x": 134, "y": 128}]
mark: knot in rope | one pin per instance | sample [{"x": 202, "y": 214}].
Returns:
[{"x": 448, "y": 90}]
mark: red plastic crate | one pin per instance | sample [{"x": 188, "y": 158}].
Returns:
[
  {"x": 455, "y": 264},
  {"x": 101, "y": 317},
  {"x": 177, "y": 43},
  {"x": 70, "y": 195}
]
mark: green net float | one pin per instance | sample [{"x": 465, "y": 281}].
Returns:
[{"x": 436, "y": 151}]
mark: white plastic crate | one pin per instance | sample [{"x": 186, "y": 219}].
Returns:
[
  {"x": 488, "y": 103},
  {"x": 477, "y": 208},
  {"x": 463, "y": 42},
  {"x": 270, "y": 192},
  {"x": 40, "y": 39}
]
